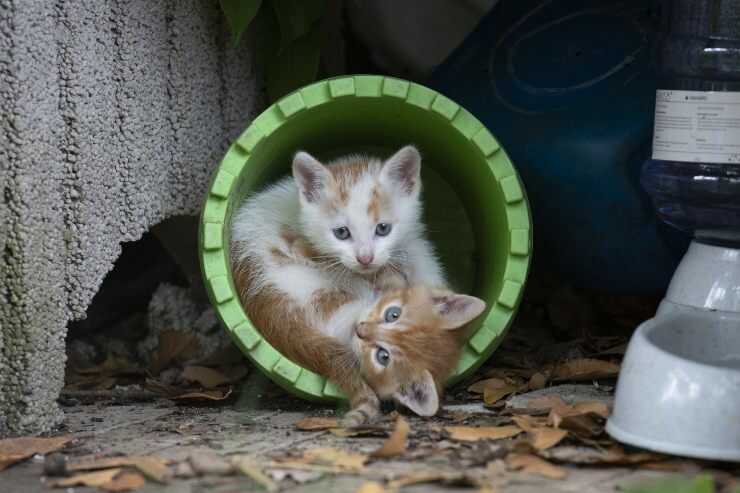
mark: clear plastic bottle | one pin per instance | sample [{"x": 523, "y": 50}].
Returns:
[{"x": 694, "y": 176}]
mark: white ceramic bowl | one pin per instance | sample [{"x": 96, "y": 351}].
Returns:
[{"x": 679, "y": 387}]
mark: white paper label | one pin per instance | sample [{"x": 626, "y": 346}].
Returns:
[{"x": 697, "y": 126}]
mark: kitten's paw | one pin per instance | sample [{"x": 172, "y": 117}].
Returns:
[
  {"x": 363, "y": 414},
  {"x": 353, "y": 419}
]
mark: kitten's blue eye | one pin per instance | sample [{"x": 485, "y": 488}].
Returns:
[
  {"x": 383, "y": 229},
  {"x": 391, "y": 314},
  {"x": 342, "y": 233},
  {"x": 382, "y": 356}
]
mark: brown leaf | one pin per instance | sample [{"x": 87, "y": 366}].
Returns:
[
  {"x": 250, "y": 469},
  {"x": 545, "y": 438},
  {"x": 371, "y": 487},
  {"x": 473, "y": 434},
  {"x": 14, "y": 450},
  {"x": 207, "y": 377},
  {"x": 172, "y": 344},
  {"x": 546, "y": 402},
  {"x": 396, "y": 443},
  {"x": 317, "y": 423},
  {"x": 126, "y": 481},
  {"x": 529, "y": 423},
  {"x": 585, "y": 369},
  {"x": 480, "y": 386},
  {"x": 593, "y": 407},
  {"x": 92, "y": 479},
  {"x": 492, "y": 396},
  {"x": 155, "y": 468},
  {"x": 532, "y": 464},
  {"x": 431, "y": 477},
  {"x": 334, "y": 457},
  {"x": 538, "y": 434},
  {"x": 583, "y": 418},
  {"x": 537, "y": 381},
  {"x": 206, "y": 395},
  {"x": 113, "y": 365},
  {"x": 614, "y": 455}
]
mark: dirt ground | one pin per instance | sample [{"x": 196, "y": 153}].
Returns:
[
  {"x": 531, "y": 420},
  {"x": 260, "y": 422}
]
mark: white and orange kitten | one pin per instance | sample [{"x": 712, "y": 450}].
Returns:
[
  {"x": 359, "y": 217},
  {"x": 312, "y": 253}
]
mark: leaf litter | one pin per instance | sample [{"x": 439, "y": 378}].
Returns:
[{"x": 13, "y": 450}]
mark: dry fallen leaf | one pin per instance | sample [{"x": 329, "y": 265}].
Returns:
[
  {"x": 252, "y": 470},
  {"x": 334, "y": 457},
  {"x": 490, "y": 383},
  {"x": 396, "y": 443},
  {"x": 207, "y": 377},
  {"x": 173, "y": 344},
  {"x": 492, "y": 396},
  {"x": 585, "y": 369},
  {"x": 583, "y": 418},
  {"x": 432, "y": 477},
  {"x": 473, "y": 434},
  {"x": 614, "y": 455},
  {"x": 532, "y": 464},
  {"x": 493, "y": 389},
  {"x": 371, "y": 487},
  {"x": 126, "y": 481},
  {"x": 539, "y": 435},
  {"x": 155, "y": 468},
  {"x": 14, "y": 450},
  {"x": 92, "y": 479},
  {"x": 316, "y": 424},
  {"x": 206, "y": 395}
]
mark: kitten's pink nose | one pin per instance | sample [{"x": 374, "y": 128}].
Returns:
[
  {"x": 365, "y": 259},
  {"x": 362, "y": 331}
]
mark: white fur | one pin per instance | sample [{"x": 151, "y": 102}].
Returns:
[{"x": 258, "y": 223}]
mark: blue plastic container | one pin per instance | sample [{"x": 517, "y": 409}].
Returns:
[
  {"x": 694, "y": 178},
  {"x": 568, "y": 88}
]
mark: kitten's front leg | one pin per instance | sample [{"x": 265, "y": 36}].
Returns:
[{"x": 364, "y": 407}]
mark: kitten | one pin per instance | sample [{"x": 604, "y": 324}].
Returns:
[
  {"x": 311, "y": 251},
  {"x": 408, "y": 344},
  {"x": 400, "y": 345},
  {"x": 358, "y": 220}
]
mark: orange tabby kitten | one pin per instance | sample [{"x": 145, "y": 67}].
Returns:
[{"x": 400, "y": 345}]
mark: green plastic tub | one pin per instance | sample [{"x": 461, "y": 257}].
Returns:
[{"x": 475, "y": 206}]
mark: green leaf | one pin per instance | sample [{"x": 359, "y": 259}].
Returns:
[
  {"x": 296, "y": 18},
  {"x": 295, "y": 65},
  {"x": 239, "y": 14},
  {"x": 703, "y": 483}
]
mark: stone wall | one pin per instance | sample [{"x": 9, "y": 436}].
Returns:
[{"x": 112, "y": 115}]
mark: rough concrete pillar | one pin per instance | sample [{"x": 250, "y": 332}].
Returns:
[{"x": 112, "y": 115}]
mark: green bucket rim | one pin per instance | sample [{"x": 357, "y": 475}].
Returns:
[{"x": 213, "y": 231}]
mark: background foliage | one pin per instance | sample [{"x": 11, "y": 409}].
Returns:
[{"x": 289, "y": 38}]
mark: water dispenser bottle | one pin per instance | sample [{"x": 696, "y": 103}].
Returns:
[
  {"x": 679, "y": 386},
  {"x": 694, "y": 176}
]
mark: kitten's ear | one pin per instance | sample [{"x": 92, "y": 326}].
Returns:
[
  {"x": 311, "y": 176},
  {"x": 456, "y": 310},
  {"x": 420, "y": 395},
  {"x": 403, "y": 170}
]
